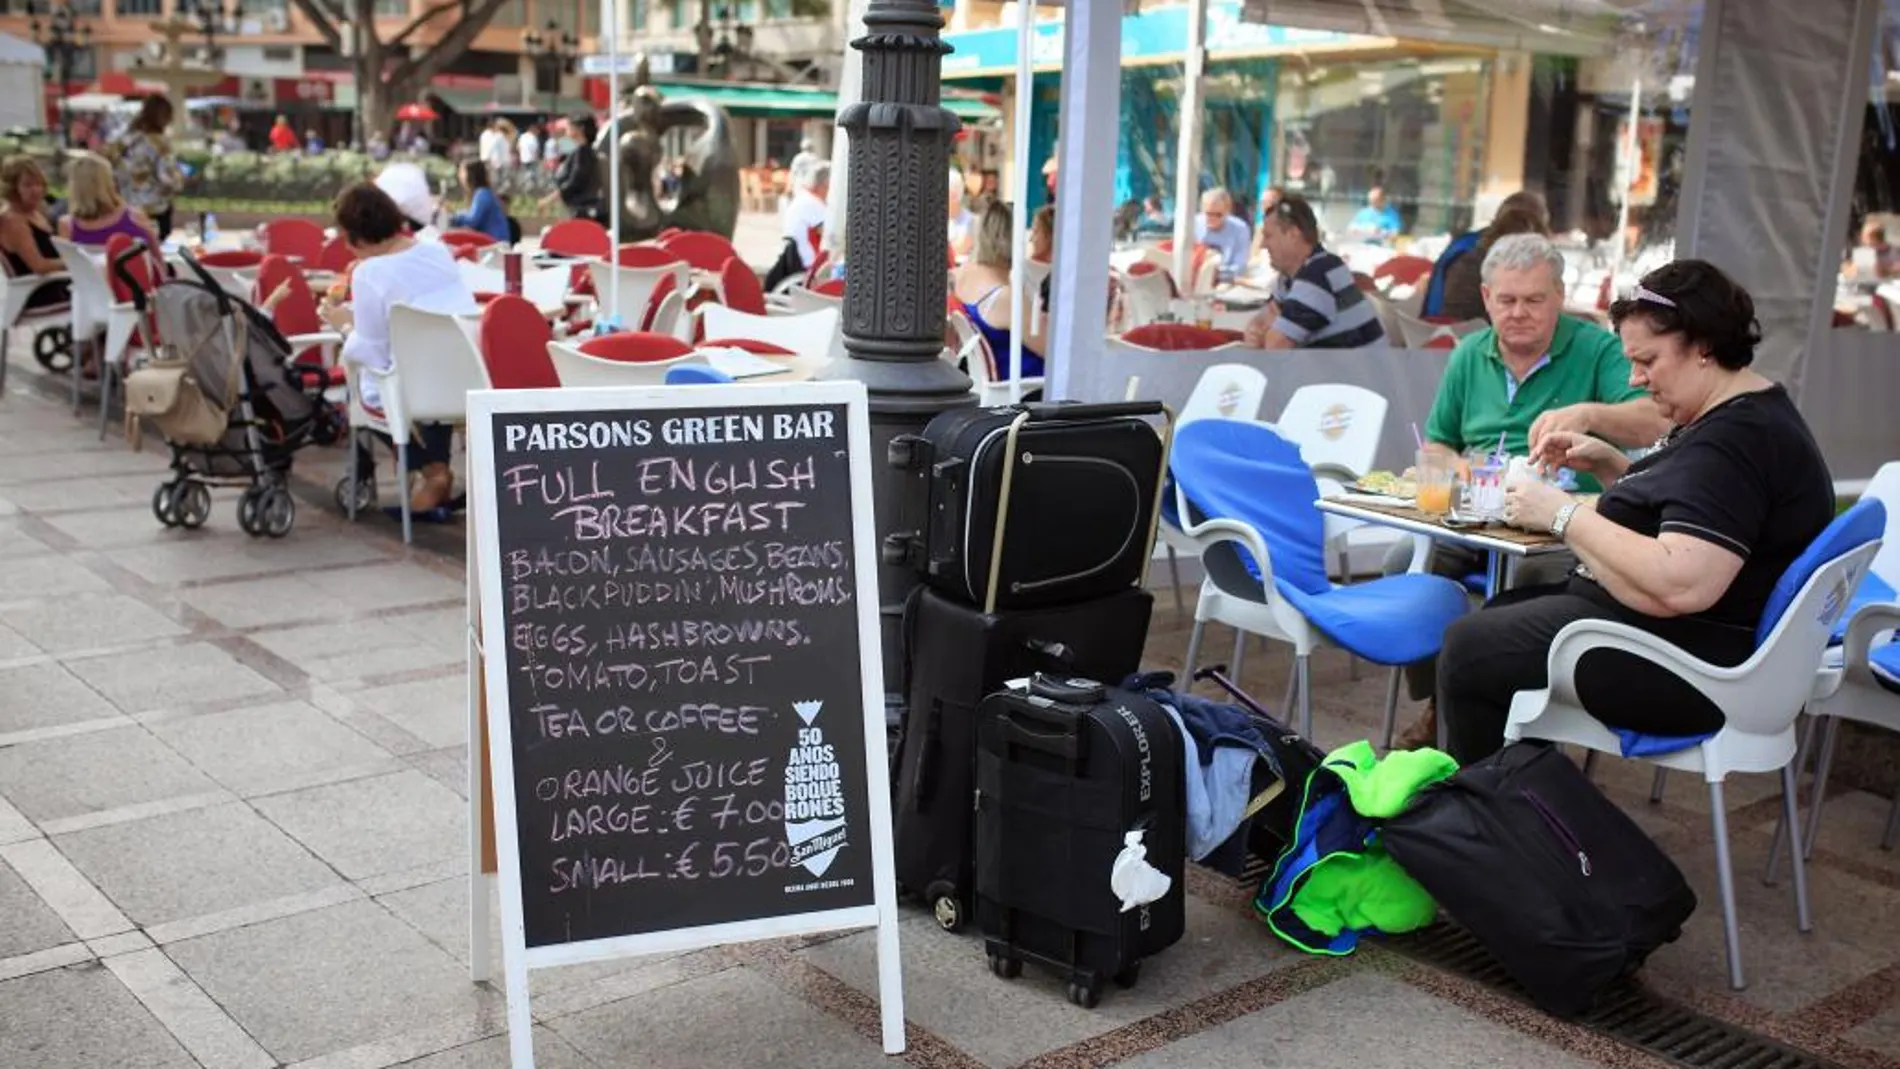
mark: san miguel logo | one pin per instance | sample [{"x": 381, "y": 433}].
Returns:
[
  {"x": 1335, "y": 422},
  {"x": 1229, "y": 400},
  {"x": 814, "y": 796}
]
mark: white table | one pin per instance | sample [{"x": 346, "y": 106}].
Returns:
[{"x": 1502, "y": 546}]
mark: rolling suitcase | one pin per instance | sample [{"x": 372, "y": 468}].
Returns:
[
  {"x": 1557, "y": 882},
  {"x": 1032, "y": 505},
  {"x": 956, "y": 655},
  {"x": 1065, "y": 770}
]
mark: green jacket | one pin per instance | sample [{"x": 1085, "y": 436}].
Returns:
[{"x": 1335, "y": 879}]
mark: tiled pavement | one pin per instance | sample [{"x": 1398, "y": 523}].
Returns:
[{"x": 232, "y": 834}]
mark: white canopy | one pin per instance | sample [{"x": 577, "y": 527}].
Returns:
[{"x": 18, "y": 52}]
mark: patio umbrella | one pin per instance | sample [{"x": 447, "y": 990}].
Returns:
[{"x": 417, "y": 112}]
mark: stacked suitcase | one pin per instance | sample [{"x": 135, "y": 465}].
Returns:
[{"x": 1036, "y": 523}]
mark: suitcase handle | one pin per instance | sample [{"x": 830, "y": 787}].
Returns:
[
  {"x": 1040, "y": 411},
  {"x": 1067, "y": 691},
  {"x": 1065, "y": 743}
]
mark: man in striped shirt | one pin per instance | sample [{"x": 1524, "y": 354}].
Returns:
[{"x": 1316, "y": 304}]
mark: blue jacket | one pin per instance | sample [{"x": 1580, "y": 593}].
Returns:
[
  {"x": 1220, "y": 745},
  {"x": 1434, "y": 302},
  {"x": 484, "y": 214}
]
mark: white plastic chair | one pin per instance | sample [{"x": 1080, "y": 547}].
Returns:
[
  {"x": 973, "y": 352},
  {"x": 546, "y": 289},
  {"x": 795, "y": 299},
  {"x": 1144, "y": 298},
  {"x": 1759, "y": 698},
  {"x": 576, "y": 368},
  {"x": 15, "y": 291},
  {"x": 1337, "y": 428},
  {"x": 434, "y": 362},
  {"x": 480, "y": 278},
  {"x": 94, "y": 308},
  {"x": 637, "y": 286},
  {"x": 1224, "y": 391},
  {"x": 670, "y": 318},
  {"x": 810, "y": 334}
]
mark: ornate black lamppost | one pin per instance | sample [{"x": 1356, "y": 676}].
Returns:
[
  {"x": 896, "y": 249},
  {"x": 60, "y": 33},
  {"x": 553, "y": 50}
]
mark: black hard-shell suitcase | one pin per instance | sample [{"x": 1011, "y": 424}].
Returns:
[
  {"x": 1065, "y": 769},
  {"x": 1069, "y": 492},
  {"x": 1553, "y": 878},
  {"x": 956, "y": 656}
]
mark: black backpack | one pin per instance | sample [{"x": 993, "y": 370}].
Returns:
[{"x": 1558, "y": 883}]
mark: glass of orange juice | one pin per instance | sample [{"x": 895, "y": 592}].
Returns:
[{"x": 1437, "y": 482}]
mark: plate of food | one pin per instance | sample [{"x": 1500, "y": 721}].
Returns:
[{"x": 1385, "y": 484}]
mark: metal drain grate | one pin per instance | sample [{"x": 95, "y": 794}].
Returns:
[{"x": 1628, "y": 1013}]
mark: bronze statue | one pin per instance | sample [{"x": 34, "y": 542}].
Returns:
[{"x": 703, "y": 191}]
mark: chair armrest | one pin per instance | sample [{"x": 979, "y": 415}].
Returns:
[
  {"x": 1867, "y": 625},
  {"x": 1339, "y": 472},
  {"x": 329, "y": 340},
  {"x": 1210, "y": 533},
  {"x": 1728, "y": 688}
]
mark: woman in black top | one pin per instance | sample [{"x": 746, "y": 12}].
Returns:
[
  {"x": 26, "y": 238},
  {"x": 1685, "y": 543},
  {"x": 577, "y": 180}
]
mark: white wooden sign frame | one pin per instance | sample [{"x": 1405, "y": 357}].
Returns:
[{"x": 486, "y": 603}]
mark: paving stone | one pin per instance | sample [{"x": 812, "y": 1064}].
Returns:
[
  {"x": 334, "y": 978},
  {"x": 760, "y": 1025},
  {"x": 12, "y": 645},
  {"x": 175, "y": 676},
  {"x": 46, "y": 695},
  {"x": 196, "y": 556},
  {"x": 550, "y": 1052},
  {"x": 1003, "y": 1023},
  {"x": 115, "y": 491},
  {"x": 388, "y": 586},
  {"x": 73, "y": 624},
  {"x": 77, "y": 774},
  {"x": 433, "y": 710},
  {"x": 110, "y": 528},
  {"x": 16, "y": 543},
  {"x": 372, "y": 826},
  {"x": 334, "y": 652},
  {"x": 188, "y": 864},
  {"x": 258, "y": 602},
  {"x": 1365, "y": 1021},
  {"x": 49, "y": 578},
  {"x": 27, "y": 924},
  {"x": 252, "y": 750},
  {"x": 81, "y": 1017}
]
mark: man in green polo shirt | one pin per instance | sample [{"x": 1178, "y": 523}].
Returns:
[{"x": 1532, "y": 372}]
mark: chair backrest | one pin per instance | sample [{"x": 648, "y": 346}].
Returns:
[
  {"x": 1403, "y": 270},
  {"x": 577, "y": 237},
  {"x": 467, "y": 239},
  {"x": 546, "y": 288},
  {"x": 634, "y": 347},
  {"x": 706, "y": 252},
  {"x": 297, "y": 238},
  {"x": 1861, "y": 525},
  {"x": 739, "y": 288},
  {"x": 1177, "y": 337},
  {"x": 1441, "y": 340},
  {"x": 1884, "y": 487},
  {"x": 637, "y": 286},
  {"x": 645, "y": 255},
  {"x": 1335, "y": 424},
  {"x": 336, "y": 255},
  {"x": 514, "y": 342},
  {"x": 134, "y": 275},
  {"x": 799, "y": 299},
  {"x": 481, "y": 279},
  {"x": 436, "y": 364},
  {"x": 1241, "y": 470},
  {"x": 695, "y": 374},
  {"x": 297, "y": 312},
  {"x": 1146, "y": 291},
  {"x": 1225, "y": 391},
  {"x": 272, "y": 273},
  {"x": 811, "y": 334},
  {"x": 577, "y": 368},
  {"x": 973, "y": 350},
  {"x": 90, "y": 289},
  {"x": 668, "y": 314}
]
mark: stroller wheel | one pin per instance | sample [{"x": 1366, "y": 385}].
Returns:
[
  {"x": 165, "y": 503},
  {"x": 53, "y": 348},
  {"x": 191, "y": 504},
  {"x": 365, "y": 494},
  {"x": 248, "y": 511},
  {"x": 277, "y": 511}
]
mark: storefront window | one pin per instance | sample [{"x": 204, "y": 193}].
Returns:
[{"x": 1869, "y": 294}]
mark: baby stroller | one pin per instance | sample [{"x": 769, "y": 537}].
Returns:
[{"x": 229, "y": 405}]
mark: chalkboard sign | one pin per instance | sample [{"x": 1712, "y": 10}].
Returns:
[{"x": 685, "y": 698}]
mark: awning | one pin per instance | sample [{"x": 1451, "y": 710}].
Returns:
[
  {"x": 1547, "y": 27},
  {"x": 483, "y": 102},
  {"x": 753, "y": 100}
]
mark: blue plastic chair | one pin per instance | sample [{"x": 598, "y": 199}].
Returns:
[
  {"x": 695, "y": 375},
  {"x": 1759, "y": 698},
  {"x": 1246, "y": 497}
]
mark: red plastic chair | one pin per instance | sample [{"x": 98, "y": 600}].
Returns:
[
  {"x": 274, "y": 271},
  {"x": 1364, "y": 282},
  {"x": 751, "y": 345},
  {"x": 833, "y": 288},
  {"x": 336, "y": 257},
  {"x": 1441, "y": 340},
  {"x": 1173, "y": 337},
  {"x": 577, "y": 237},
  {"x": 706, "y": 252},
  {"x": 641, "y": 255},
  {"x": 299, "y": 239},
  {"x": 467, "y": 239},
  {"x": 514, "y": 339},
  {"x": 667, "y": 285},
  {"x": 1149, "y": 267},
  {"x": 134, "y": 275},
  {"x": 232, "y": 258},
  {"x": 817, "y": 264},
  {"x": 1403, "y": 270},
  {"x": 635, "y": 347},
  {"x": 739, "y": 288}
]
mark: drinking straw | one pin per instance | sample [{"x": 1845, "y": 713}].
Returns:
[
  {"x": 1417, "y": 437},
  {"x": 1500, "y": 449}
]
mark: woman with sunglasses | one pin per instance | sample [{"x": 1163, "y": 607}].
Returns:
[{"x": 1685, "y": 543}]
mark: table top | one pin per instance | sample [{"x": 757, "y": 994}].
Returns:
[{"x": 1492, "y": 537}]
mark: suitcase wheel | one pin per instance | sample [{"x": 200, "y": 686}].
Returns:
[
  {"x": 1128, "y": 977},
  {"x": 1085, "y": 991},
  {"x": 942, "y": 897},
  {"x": 1006, "y": 967}
]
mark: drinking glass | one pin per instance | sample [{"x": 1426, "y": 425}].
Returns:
[{"x": 1437, "y": 482}]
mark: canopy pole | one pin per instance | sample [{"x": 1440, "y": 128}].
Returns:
[
  {"x": 1019, "y": 241},
  {"x": 850, "y": 91},
  {"x": 1187, "y": 165},
  {"x": 611, "y": 19},
  {"x": 1631, "y": 170}
]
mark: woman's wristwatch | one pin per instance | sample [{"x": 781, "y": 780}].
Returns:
[{"x": 1560, "y": 522}]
